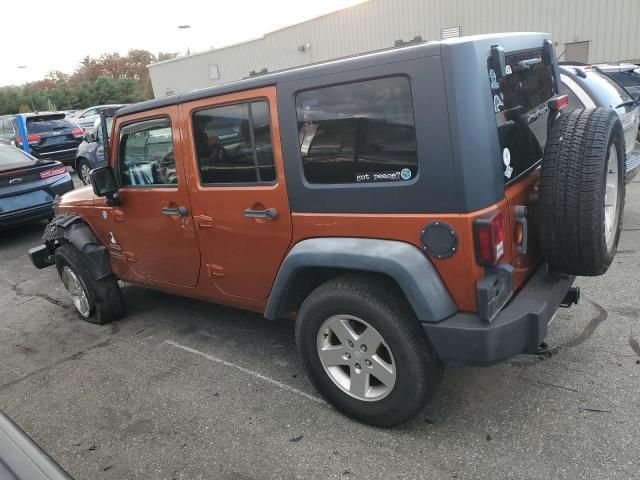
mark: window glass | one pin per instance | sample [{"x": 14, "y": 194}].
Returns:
[
  {"x": 13, "y": 158},
  {"x": 608, "y": 91},
  {"x": 233, "y": 144},
  {"x": 520, "y": 104},
  {"x": 361, "y": 132},
  {"x": 146, "y": 154},
  {"x": 44, "y": 125},
  {"x": 99, "y": 129}
]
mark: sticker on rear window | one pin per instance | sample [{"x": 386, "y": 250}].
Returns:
[
  {"x": 373, "y": 177},
  {"x": 493, "y": 80},
  {"x": 506, "y": 159},
  {"x": 497, "y": 103}
]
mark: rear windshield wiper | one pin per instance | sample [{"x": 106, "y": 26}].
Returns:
[
  {"x": 527, "y": 64},
  {"x": 628, "y": 102}
]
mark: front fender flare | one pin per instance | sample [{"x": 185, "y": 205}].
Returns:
[
  {"x": 403, "y": 262},
  {"x": 74, "y": 230}
]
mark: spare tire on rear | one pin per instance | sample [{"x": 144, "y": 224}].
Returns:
[{"x": 582, "y": 191}]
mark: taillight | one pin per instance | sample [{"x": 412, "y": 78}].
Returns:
[
  {"x": 32, "y": 138},
  {"x": 558, "y": 103},
  {"x": 489, "y": 233},
  {"x": 53, "y": 172},
  {"x": 78, "y": 132}
]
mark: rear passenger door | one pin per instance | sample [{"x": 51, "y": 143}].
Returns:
[{"x": 237, "y": 189}]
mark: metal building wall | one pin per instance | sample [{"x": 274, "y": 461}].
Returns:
[{"x": 610, "y": 26}]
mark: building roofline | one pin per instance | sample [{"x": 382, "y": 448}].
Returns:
[{"x": 255, "y": 39}]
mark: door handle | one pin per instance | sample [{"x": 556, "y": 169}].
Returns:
[
  {"x": 179, "y": 211},
  {"x": 268, "y": 213}
]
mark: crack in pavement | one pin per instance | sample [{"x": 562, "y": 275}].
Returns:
[
  {"x": 73, "y": 356},
  {"x": 54, "y": 301},
  {"x": 635, "y": 346},
  {"x": 580, "y": 339},
  {"x": 589, "y": 329}
]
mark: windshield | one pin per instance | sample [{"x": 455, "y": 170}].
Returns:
[
  {"x": 11, "y": 158},
  {"x": 520, "y": 104}
]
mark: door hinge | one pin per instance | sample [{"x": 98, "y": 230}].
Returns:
[{"x": 215, "y": 270}]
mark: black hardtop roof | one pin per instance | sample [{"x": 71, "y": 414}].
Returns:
[{"x": 355, "y": 62}]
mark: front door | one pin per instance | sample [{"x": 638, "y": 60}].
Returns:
[
  {"x": 237, "y": 190},
  {"x": 151, "y": 236}
]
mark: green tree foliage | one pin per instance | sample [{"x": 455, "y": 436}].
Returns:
[{"x": 110, "y": 78}]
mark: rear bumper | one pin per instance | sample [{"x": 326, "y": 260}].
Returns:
[{"x": 519, "y": 328}]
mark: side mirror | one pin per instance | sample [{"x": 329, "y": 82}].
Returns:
[
  {"x": 90, "y": 138},
  {"x": 104, "y": 184}
]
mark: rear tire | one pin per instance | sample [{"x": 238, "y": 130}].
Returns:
[
  {"x": 387, "y": 342},
  {"x": 582, "y": 192},
  {"x": 96, "y": 301}
]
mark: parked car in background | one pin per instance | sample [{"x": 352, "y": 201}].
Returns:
[
  {"x": 90, "y": 153},
  {"x": 86, "y": 118},
  {"x": 627, "y": 75},
  {"x": 28, "y": 186},
  {"x": 50, "y": 136},
  {"x": 587, "y": 87},
  {"x": 70, "y": 113}
]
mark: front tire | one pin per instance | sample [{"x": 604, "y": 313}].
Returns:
[
  {"x": 365, "y": 351},
  {"x": 96, "y": 301}
]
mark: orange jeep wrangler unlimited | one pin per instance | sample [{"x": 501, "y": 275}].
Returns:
[{"x": 409, "y": 207}]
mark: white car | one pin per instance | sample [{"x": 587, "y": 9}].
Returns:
[
  {"x": 589, "y": 88},
  {"x": 86, "y": 118}
]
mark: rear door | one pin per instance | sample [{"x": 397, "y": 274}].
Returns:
[
  {"x": 237, "y": 189},
  {"x": 520, "y": 101}
]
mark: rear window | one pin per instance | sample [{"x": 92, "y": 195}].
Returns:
[
  {"x": 44, "y": 125},
  {"x": 11, "y": 158},
  {"x": 607, "y": 90},
  {"x": 520, "y": 104}
]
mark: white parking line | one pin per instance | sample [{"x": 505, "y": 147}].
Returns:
[{"x": 278, "y": 384}]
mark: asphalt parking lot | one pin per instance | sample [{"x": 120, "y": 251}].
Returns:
[{"x": 183, "y": 389}]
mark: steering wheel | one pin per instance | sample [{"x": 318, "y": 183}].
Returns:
[{"x": 166, "y": 169}]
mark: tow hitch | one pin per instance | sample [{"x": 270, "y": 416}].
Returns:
[{"x": 571, "y": 298}]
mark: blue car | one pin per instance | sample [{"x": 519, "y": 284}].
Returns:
[
  {"x": 28, "y": 186},
  {"x": 90, "y": 153}
]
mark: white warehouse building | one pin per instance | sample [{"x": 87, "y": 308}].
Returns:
[{"x": 588, "y": 31}]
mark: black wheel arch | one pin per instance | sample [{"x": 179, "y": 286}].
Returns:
[
  {"x": 66, "y": 228},
  {"x": 313, "y": 261}
]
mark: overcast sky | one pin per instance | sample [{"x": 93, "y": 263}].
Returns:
[{"x": 56, "y": 36}]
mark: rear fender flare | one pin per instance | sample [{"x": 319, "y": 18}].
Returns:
[{"x": 405, "y": 263}]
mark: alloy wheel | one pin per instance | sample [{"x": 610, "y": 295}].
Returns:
[{"x": 356, "y": 358}]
